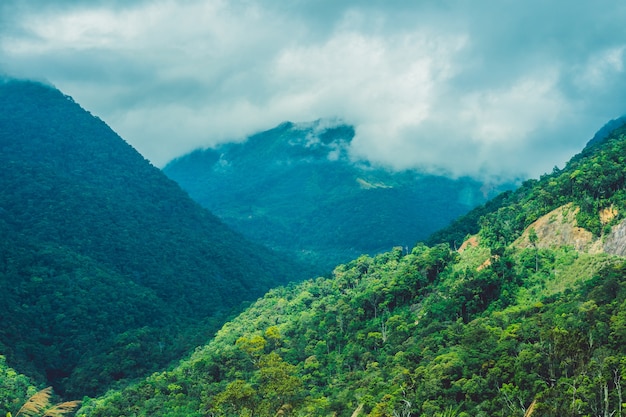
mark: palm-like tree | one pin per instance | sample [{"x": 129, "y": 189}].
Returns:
[{"x": 39, "y": 405}]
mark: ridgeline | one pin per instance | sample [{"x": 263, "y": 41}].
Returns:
[{"x": 108, "y": 270}]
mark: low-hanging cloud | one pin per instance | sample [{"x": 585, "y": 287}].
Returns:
[{"x": 491, "y": 90}]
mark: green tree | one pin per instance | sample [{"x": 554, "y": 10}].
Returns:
[
  {"x": 239, "y": 398},
  {"x": 533, "y": 239},
  {"x": 279, "y": 384}
]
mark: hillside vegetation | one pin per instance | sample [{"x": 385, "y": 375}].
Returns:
[
  {"x": 514, "y": 323},
  {"x": 108, "y": 270},
  {"x": 14, "y": 388},
  {"x": 294, "y": 188}
]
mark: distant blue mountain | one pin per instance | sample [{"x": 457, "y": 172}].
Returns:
[{"x": 294, "y": 188}]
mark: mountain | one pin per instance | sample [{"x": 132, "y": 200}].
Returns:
[
  {"x": 527, "y": 317},
  {"x": 108, "y": 270},
  {"x": 607, "y": 129},
  {"x": 295, "y": 189}
]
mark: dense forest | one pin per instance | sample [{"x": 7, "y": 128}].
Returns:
[
  {"x": 420, "y": 334},
  {"x": 516, "y": 309},
  {"x": 296, "y": 189},
  {"x": 509, "y": 324},
  {"x": 108, "y": 270}
]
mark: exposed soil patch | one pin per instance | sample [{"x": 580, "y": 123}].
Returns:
[{"x": 559, "y": 228}]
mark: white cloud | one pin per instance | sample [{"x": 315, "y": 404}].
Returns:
[
  {"x": 602, "y": 67},
  {"x": 511, "y": 114},
  {"x": 476, "y": 89}
]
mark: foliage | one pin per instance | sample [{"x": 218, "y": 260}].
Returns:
[
  {"x": 15, "y": 388},
  {"x": 494, "y": 330},
  {"x": 108, "y": 270},
  {"x": 407, "y": 334}
]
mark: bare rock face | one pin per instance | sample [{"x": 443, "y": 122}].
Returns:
[{"x": 615, "y": 242}]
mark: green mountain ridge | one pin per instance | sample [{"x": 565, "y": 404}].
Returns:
[
  {"x": 108, "y": 270},
  {"x": 591, "y": 179},
  {"x": 527, "y": 317},
  {"x": 513, "y": 323},
  {"x": 294, "y": 188}
]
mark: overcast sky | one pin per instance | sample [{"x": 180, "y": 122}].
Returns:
[{"x": 485, "y": 88}]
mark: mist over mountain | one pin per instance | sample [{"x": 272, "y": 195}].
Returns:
[
  {"x": 295, "y": 188},
  {"x": 108, "y": 270}
]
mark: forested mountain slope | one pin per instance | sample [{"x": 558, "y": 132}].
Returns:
[
  {"x": 108, "y": 270},
  {"x": 294, "y": 188},
  {"x": 511, "y": 324},
  {"x": 592, "y": 180}
]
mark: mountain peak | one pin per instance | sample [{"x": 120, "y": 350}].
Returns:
[
  {"x": 322, "y": 139},
  {"x": 296, "y": 189},
  {"x": 101, "y": 249}
]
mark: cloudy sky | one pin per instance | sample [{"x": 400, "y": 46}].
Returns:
[{"x": 493, "y": 88}]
